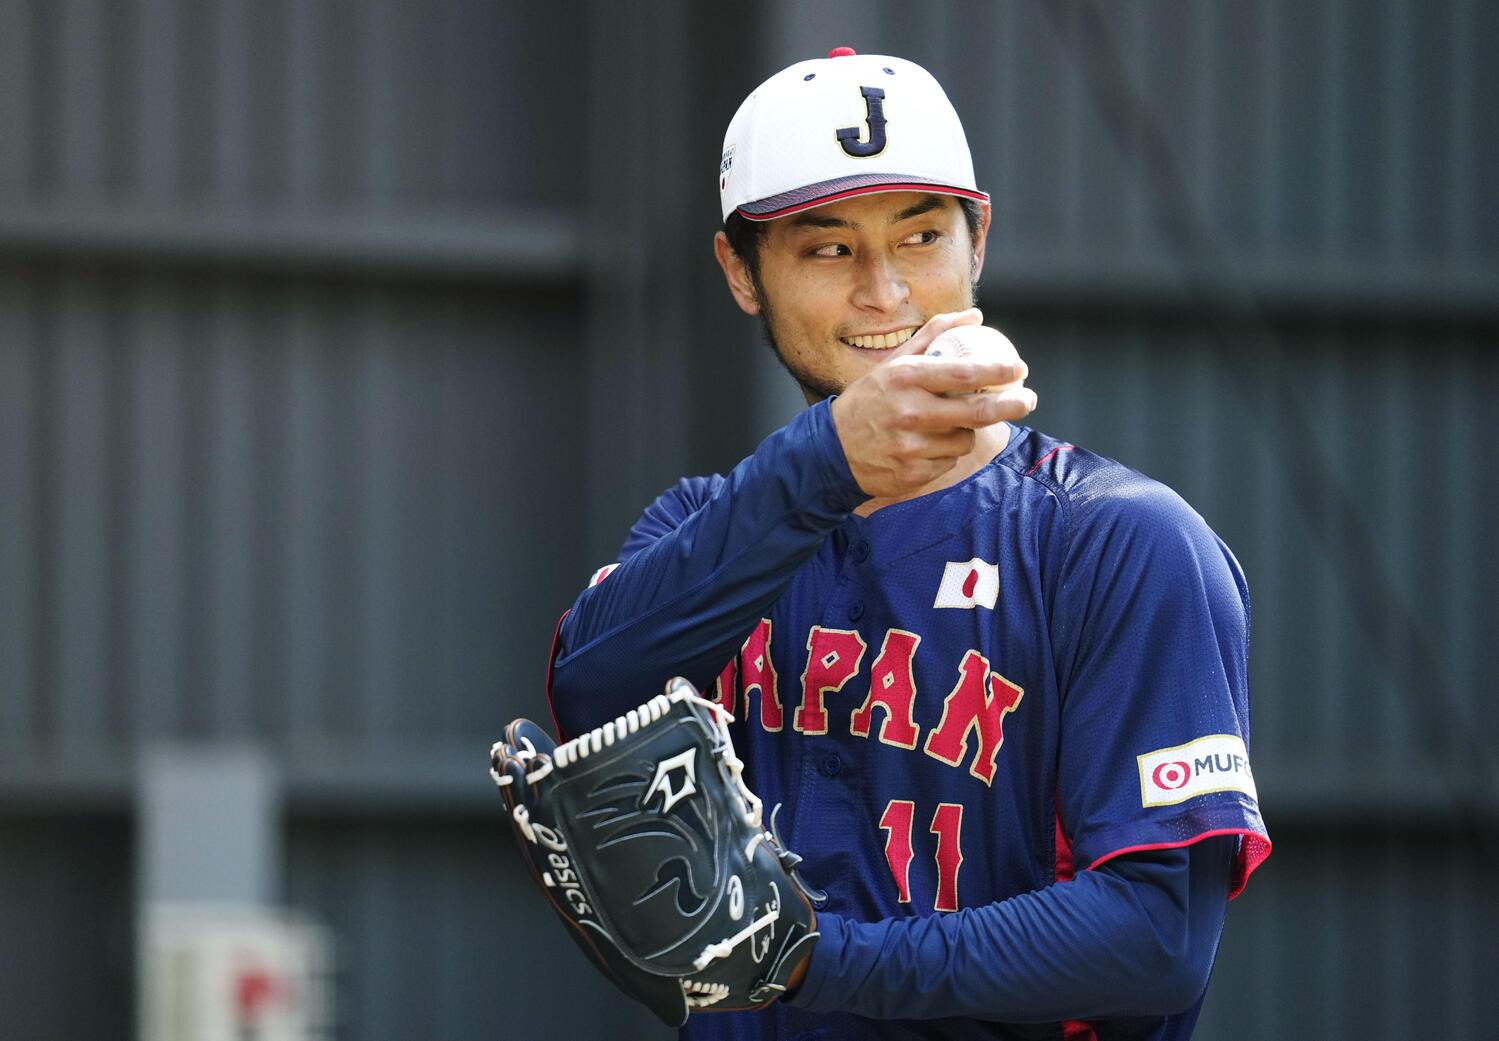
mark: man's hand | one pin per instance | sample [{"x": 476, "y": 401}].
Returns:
[{"x": 898, "y": 429}]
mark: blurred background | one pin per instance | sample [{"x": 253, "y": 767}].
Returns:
[{"x": 340, "y": 341}]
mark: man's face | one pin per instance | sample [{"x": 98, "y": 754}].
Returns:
[{"x": 844, "y": 286}]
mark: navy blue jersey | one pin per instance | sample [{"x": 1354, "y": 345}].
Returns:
[{"x": 970, "y": 695}]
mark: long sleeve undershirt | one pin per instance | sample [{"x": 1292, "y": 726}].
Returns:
[{"x": 1136, "y": 936}]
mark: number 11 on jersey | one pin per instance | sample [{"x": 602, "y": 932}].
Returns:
[{"x": 947, "y": 825}]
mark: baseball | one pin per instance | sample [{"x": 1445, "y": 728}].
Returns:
[{"x": 978, "y": 342}]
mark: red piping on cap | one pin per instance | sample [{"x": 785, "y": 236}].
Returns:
[
  {"x": 842, "y": 52},
  {"x": 868, "y": 189}
]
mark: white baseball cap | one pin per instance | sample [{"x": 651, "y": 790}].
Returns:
[{"x": 848, "y": 124}]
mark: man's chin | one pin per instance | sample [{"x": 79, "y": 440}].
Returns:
[{"x": 815, "y": 390}]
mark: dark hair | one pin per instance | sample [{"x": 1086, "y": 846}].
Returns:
[{"x": 746, "y": 235}]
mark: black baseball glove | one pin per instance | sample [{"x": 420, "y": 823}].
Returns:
[{"x": 648, "y": 844}]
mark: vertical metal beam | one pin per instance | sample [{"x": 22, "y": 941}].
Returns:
[
  {"x": 236, "y": 79},
  {"x": 378, "y": 60},
  {"x": 637, "y": 241},
  {"x": 305, "y": 481},
  {"x": 301, "y": 34},
  {"x": 1335, "y": 164},
  {"x": 82, "y": 641},
  {"x": 230, "y": 506},
  {"x": 81, "y": 126},
  {"x": 154, "y": 629},
  {"x": 380, "y": 436},
  {"x": 16, "y": 103},
  {"x": 20, "y": 460},
  {"x": 1271, "y": 75},
  {"x": 1463, "y": 45},
  {"x": 1401, "y": 136},
  {"x": 156, "y": 168}
]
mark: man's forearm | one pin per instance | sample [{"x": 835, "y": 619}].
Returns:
[{"x": 1135, "y": 937}]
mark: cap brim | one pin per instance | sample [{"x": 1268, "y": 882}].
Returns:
[{"x": 824, "y": 192}]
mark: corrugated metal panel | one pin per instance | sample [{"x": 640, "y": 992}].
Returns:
[
  {"x": 231, "y": 103},
  {"x": 260, "y": 509}
]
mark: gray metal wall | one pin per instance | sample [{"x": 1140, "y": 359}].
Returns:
[{"x": 340, "y": 341}]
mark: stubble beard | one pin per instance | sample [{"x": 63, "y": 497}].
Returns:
[{"x": 813, "y": 388}]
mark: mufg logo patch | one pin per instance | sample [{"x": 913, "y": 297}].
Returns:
[{"x": 1216, "y": 763}]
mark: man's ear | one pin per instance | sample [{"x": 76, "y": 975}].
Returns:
[
  {"x": 736, "y": 274},
  {"x": 981, "y": 240}
]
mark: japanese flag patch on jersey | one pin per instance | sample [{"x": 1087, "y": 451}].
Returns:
[
  {"x": 969, "y": 583},
  {"x": 1216, "y": 763}
]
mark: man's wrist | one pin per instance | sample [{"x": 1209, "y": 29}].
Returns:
[{"x": 800, "y": 972}]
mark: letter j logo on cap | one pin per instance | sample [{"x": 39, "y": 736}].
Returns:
[{"x": 874, "y": 116}]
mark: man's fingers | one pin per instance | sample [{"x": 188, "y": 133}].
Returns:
[
  {"x": 957, "y": 413},
  {"x": 957, "y": 375},
  {"x": 943, "y": 428},
  {"x": 949, "y": 445},
  {"x": 972, "y": 411},
  {"x": 1013, "y": 402}
]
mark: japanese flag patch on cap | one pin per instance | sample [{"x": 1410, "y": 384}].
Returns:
[{"x": 844, "y": 125}]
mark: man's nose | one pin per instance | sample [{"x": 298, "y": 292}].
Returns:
[{"x": 881, "y": 285}]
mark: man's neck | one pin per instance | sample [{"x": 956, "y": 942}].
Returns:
[{"x": 989, "y": 442}]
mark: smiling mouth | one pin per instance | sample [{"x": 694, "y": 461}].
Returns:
[{"x": 880, "y": 341}]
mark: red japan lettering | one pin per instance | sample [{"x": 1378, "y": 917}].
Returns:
[
  {"x": 833, "y": 658},
  {"x": 892, "y": 686},
  {"x": 896, "y": 823},
  {"x": 757, "y": 673},
  {"x": 725, "y": 688},
  {"x": 978, "y": 703}
]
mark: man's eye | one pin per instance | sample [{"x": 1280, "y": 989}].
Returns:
[
  {"x": 832, "y": 249},
  {"x": 923, "y": 238}
]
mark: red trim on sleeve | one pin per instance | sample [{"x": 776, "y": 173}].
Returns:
[
  {"x": 1252, "y": 853},
  {"x": 551, "y": 665}
]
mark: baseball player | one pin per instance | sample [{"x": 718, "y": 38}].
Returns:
[{"x": 996, "y": 683}]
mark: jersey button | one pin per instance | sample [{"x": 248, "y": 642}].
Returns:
[
  {"x": 856, "y": 610},
  {"x": 831, "y": 765},
  {"x": 860, "y": 552}
]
